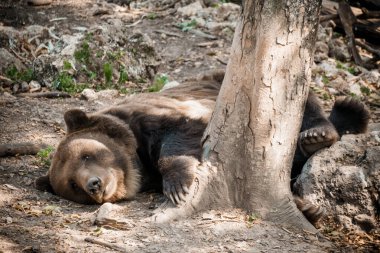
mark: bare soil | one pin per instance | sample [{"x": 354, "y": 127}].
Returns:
[{"x": 34, "y": 221}]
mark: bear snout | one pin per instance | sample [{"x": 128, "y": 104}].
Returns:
[{"x": 94, "y": 185}]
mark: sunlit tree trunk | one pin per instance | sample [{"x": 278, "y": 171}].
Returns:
[{"x": 250, "y": 141}]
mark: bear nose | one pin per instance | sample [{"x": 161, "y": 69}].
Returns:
[{"x": 94, "y": 185}]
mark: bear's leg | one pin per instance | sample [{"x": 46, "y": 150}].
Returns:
[
  {"x": 317, "y": 131},
  {"x": 349, "y": 116},
  {"x": 177, "y": 176}
]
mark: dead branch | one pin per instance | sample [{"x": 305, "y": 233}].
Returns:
[
  {"x": 368, "y": 48},
  {"x": 328, "y": 17},
  {"x": 348, "y": 18},
  {"x": 169, "y": 33},
  {"x": 25, "y": 148},
  {"x": 52, "y": 94},
  {"x": 105, "y": 244}
]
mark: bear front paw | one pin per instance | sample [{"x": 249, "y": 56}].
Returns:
[
  {"x": 176, "y": 186},
  {"x": 177, "y": 175},
  {"x": 314, "y": 139}
]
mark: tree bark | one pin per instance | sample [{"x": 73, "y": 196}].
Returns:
[{"x": 251, "y": 138}]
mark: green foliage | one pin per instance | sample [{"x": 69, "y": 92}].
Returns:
[
  {"x": 65, "y": 82},
  {"x": 14, "y": 74},
  {"x": 252, "y": 218},
  {"x": 123, "y": 76},
  {"x": 44, "y": 154},
  {"x": 325, "y": 79},
  {"x": 187, "y": 26},
  {"x": 352, "y": 69},
  {"x": 326, "y": 96},
  {"x": 67, "y": 65},
  {"x": 152, "y": 16},
  {"x": 83, "y": 54},
  {"x": 108, "y": 71},
  {"x": 365, "y": 90},
  {"x": 158, "y": 83}
]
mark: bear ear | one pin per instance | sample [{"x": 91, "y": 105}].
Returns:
[
  {"x": 75, "y": 120},
  {"x": 43, "y": 184}
]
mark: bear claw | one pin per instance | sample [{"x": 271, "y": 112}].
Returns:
[{"x": 314, "y": 139}]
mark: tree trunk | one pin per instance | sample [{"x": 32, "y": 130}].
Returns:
[{"x": 251, "y": 138}]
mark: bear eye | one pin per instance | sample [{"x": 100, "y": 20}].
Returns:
[
  {"x": 85, "y": 157},
  {"x": 73, "y": 185}
]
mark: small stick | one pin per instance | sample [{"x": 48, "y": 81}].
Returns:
[
  {"x": 325, "y": 18},
  {"x": 52, "y": 94},
  {"x": 368, "y": 48},
  {"x": 169, "y": 33},
  {"x": 5, "y": 78},
  {"x": 105, "y": 244},
  {"x": 25, "y": 148}
]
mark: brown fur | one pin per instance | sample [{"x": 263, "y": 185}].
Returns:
[{"x": 152, "y": 141}]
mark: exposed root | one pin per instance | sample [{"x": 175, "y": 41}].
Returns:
[{"x": 196, "y": 200}]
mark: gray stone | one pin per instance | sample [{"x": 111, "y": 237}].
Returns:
[
  {"x": 89, "y": 94},
  {"x": 34, "y": 86},
  {"x": 170, "y": 85},
  {"x": 321, "y": 51},
  {"x": 8, "y": 60},
  {"x": 190, "y": 10},
  {"x": 108, "y": 94},
  {"x": 367, "y": 223},
  {"x": 25, "y": 87},
  {"x": 343, "y": 178},
  {"x": 355, "y": 89}
]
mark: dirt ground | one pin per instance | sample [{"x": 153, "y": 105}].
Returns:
[{"x": 33, "y": 221}]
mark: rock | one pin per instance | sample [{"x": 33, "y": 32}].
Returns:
[
  {"x": 190, "y": 10},
  {"x": 365, "y": 222},
  {"x": 227, "y": 12},
  {"x": 372, "y": 77},
  {"x": 170, "y": 85},
  {"x": 324, "y": 34},
  {"x": 34, "y": 86},
  {"x": 111, "y": 215},
  {"x": 15, "y": 88},
  {"x": 219, "y": 26},
  {"x": 339, "y": 83},
  {"x": 25, "y": 87},
  {"x": 89, "y": 94},
  {"x": 108, "y": 94},
  {"x": 34, "y": 30},
  {"x": 339, "y": 50},
  {"x": 8, "y": 61},
  {"x": 321, "y": 51},
  {"x": 343, "y": 180},
  {"x": 355, "y": 89}
]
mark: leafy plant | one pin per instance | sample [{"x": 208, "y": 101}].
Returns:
[
  {"x": 83, "y": 54},
  {"x": 67, "y": 65},
  {"x": 123, "y": 76},
  {"x": 108, "y": 71},
  {"x": 158, "y": 83},
  {"x": 44, "y": 154},
  {"x": 325, "y": 79},
  {"x": 65, "y": 82},
  {"x": 187, "y": 26},
  {"x": 152, "y": 16},
  {"x": 365, "y": 90},
  {"x": 14, "y": 74}
]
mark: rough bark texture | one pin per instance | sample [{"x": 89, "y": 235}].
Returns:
[{"x": 253, "y": 132}]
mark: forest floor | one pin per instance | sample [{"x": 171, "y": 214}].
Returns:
[{"x": 34, "y": 221}]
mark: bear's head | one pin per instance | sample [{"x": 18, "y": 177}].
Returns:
[{"x": 95, "y": 163}]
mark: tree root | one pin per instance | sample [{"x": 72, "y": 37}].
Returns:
[{"x": 198, "y": 198}]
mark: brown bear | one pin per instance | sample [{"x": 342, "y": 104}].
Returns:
[{"x": 153, "y": 141}]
